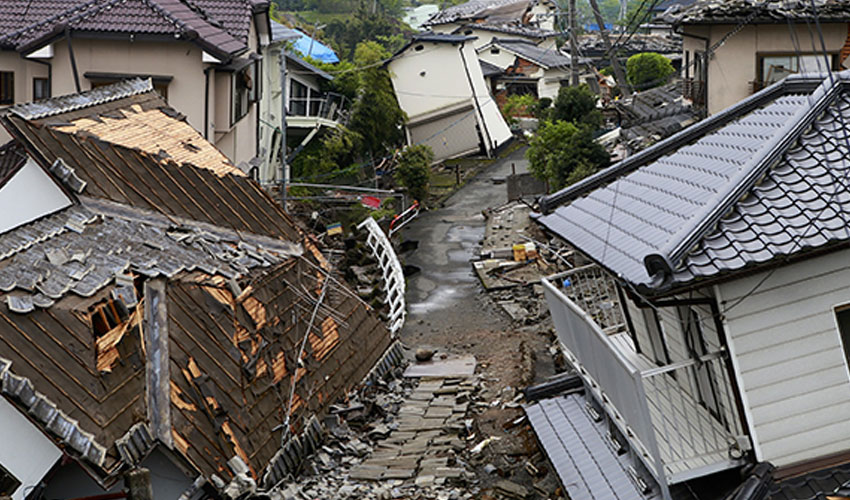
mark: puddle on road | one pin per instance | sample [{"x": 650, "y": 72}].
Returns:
[{"x": 441, "y": 298}]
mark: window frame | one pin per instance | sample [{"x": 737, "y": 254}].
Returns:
[
  {"x": 760, "y": 56},
  {"x": 46, "y": 82},
  {"x": 7, "y": 86}
]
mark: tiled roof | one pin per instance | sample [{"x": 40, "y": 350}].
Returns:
[
  {"x": 12, "y": 157},
  {"x": 592, "y": 45},
  {"x": 654, "y": 114},
  {"x": 221, "y": 277},
  {"x": 479, "y": 9},
  {"x": 489, "y": 69},
  {"x": 220, "y": 27},
  {"x": 734, "y": 11},
  {"x": 546, "y": 58},
  {"x": 820, "y": 485},
  {"x": 750, "y": 185},
  {"x": 512, "y": 29}
]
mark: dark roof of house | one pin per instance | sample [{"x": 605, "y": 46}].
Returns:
[
  {"x": 507, "y": 10},
  {"x": 309, "y": 67},
  {"x": 751, "y": 185},
  {"x": 236, "y": 277},
  {"x": 545, "y": 58},
  {"x": 736, "y": 11},
  {"x": 654, "y": 114},
  {"x": 221, "y": 27},
  {"x": 513, "y": 28},
  {"x": 12, "y": 158},
  {"x": 489, "y": 69},
  {"x": 820, "y": 485},
  {"x": 592, "y": 45}
]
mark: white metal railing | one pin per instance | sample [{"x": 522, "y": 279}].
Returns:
[
  {"x": 393, "y": 276},
  {"x": 680, "y": 419},
  {"x": 595, "y": 293}
]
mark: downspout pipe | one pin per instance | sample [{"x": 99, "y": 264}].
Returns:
[
  {"x": 284, "y": 165},
  {"x": 489, "y": 146},
  {"x": 73, "y": 61},
  {"x": 207, "y": 71}
]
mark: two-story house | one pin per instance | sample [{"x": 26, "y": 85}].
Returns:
[
  {"x": 734, "y": 48},
  {"x": 439, "y": 83},
  {"x": 710, "y": 323},
  {"x": 203, "y": 56}
]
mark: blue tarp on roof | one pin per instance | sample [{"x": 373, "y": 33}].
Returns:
[
  {"x": 309, "y": 47},
  {"x": 595, "y": 27}
]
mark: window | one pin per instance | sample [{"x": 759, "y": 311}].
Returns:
[
  {"x": 656, "y": 337},
  {"x": 245, "y": 91},
  {"x": 695, "y": 343},
  {"x": 298, "y": 98},
  {"x": 7, "y": 87},
  {"x": 495, "y": 51},
  {"x": 8, "y": 483},
  {"x": 773, "y": 68},
  {"x": 40, "y": 88},
  {"x": 842, "y": 318}
]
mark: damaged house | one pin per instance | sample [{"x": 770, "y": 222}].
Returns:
[
  {"x": 158, "y": 308},
  {"x": 710, "y": 324},
  {"x": 439, "y": 83}
]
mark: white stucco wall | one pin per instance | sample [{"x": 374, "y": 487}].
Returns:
[
  {"x": 26, "y": 452},
  {"x": 17, "y": 203}
]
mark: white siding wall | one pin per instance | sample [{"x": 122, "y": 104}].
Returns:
[
  {"x": 790, "y": 359},
  {"x": 26, "y": 452}
]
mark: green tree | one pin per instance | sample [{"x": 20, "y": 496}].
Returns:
[
  {"x": 376, "y": 116},
  {"x": 562, "y": 153},
  {"x": 414, "y": 170},
  {"x": 333, "y": 152},
  {"x": 647, "y": 70},
  {"x": 577, "y": 105}
]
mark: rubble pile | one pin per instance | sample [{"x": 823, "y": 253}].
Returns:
[{"x": 396, "y": 439}]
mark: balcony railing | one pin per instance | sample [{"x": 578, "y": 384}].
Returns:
[
  {"x": 330, "y": 106},
  {"x": 681, "y": 420}
]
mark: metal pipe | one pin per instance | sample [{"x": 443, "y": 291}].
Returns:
[
  {"x": 73, "y": 60},
  {"x": 207, "y": 71}
]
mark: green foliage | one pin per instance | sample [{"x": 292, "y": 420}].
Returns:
[
  {"x": 333, "y": 152},
  {"x": 377, "y": 116},
  {"x": 561, "y": 153},
  {"x": 414, "y": 170},
  {"x": 363, "y": 24},
  {"x": 607, "y": 71},
  {"x": 647, "y": 70},
  {"x": 542, "y": 109},
  {"x": 517, "y": 105},
  {"x": 577, "y": 105},
  {"x": 346, "y": 77}
]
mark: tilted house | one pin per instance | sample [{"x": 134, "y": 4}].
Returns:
[
  {"x": 204, "y": 57},
  {"x": 711, "y": 324},
  {"x": 539, "y": 70},
  {"x": 155, "y": 302},
  {"x": 439, "y": 83}
]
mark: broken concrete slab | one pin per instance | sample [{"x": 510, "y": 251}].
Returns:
[{"x": 459, "y": 366}]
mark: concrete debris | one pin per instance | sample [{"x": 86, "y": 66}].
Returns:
[
  {"x": 401, "y": 438},
  {"x": 423, "y": 354}
]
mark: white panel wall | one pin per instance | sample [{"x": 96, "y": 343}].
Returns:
[
  {"x": 29, "y": 195},
  {"x": 26, "y": 453},
  {"x": 790, "y": 359},
  {"x": 496, "y": 127}
]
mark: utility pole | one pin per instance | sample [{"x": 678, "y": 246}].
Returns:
[
  {"x": 615, "y": 63},
  {"x": 573, "y": 47}
]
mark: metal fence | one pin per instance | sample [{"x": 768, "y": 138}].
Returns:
[
  {"x": 680, "y": 419},
  {"x": 595, "y": 293}
]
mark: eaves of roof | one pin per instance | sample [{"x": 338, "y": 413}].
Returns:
[
  {"x": 309, "y": 67},
  {"x": 432, "y": 38},
  {"x": 533, "y": 54},
  {"x": 693, "y": 247}
]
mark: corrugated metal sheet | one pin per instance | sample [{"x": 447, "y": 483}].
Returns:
[{"x": 587, "y": 466}]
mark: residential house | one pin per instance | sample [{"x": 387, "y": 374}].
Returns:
[
  {"x": 272, "y": 129},
  {"x": 438, "y": 82},
  {"x": 593, "y": 47},
  {"x": 203, "y": 56},
  {"x": 528, "y": 68},
  {"x": 709, "y": 324},
  {"x": 534, "y": 14},
  {"x": 751, "y": 45},
  {"x": 154, "y": 299}
]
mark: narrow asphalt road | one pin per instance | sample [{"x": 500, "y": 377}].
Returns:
[{"x": 445, "y": 297}]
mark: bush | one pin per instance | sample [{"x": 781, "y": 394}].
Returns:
[
  {"x": 517, "y": 105},
  {"x": 577, "y": 105},
  {"x": 542, "y": 108},
  {"x": 647, "y": 70},
  {"x": 562, "y": 153},
  {"x": 414, "y": 170}
]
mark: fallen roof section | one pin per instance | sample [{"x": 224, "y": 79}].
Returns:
[
  {"x": 548, "y": 58},
  {"x": 743, "y": 188},
  {"x": 479, "y": 9},
  {"x": 735, "y": 11}
]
